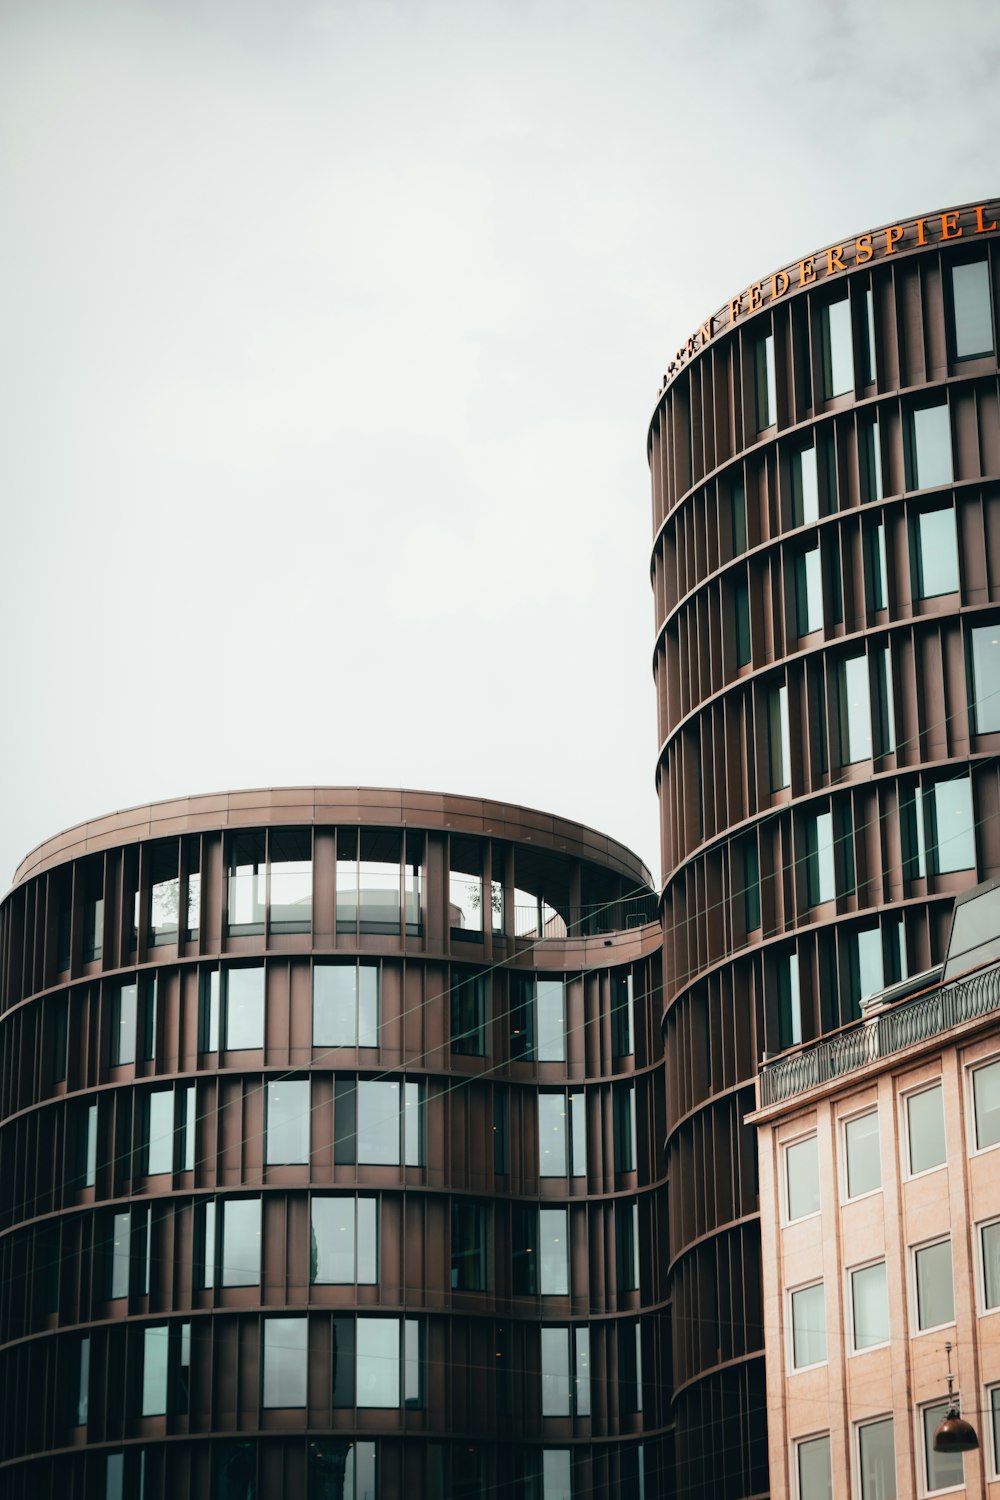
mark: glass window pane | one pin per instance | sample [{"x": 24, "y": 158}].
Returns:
[
  {"x": 855, "y": 710},
  {"x": 124, "y": 1013},
  {"x": 808, "y": 1326},
  {"x": 209, "y": 1010},
  {"x": 413, "y": 1382},
  {"x": 551, "y": 1021},
  {"x": 553, "y": 1251},
  {"x": 287, "y": 1139},
  {"x": 578, "y": 1135},
  {"x": 861, "y": 1148},
  {"x": 877, "y": 1460},
  {"x": 160, "y": 1132},
  {"x": 555, "y": 1372},
  {"x": 789, "y": 1001},
  {"x": 779, "y": 738},
  {"x": 83, "y": 1383},
  {"x": 764, "y": 383},
  {"x": 935, "y": 1293},
  {"x": 247, "y": 873},
  {"x": 114, "y": 1483},
  {"x": 970, "y": 298},
  {"x": 870, "y": 1302},
  {"x": 943, "y": 1470},
  {"x": 468, "y": 1246},
  {"x": 930, "y": 429},
  {"x": 367, "y": 1256},
  {"x": 953, "y": 841},
  {"x": 870, "y": 455},
  {"x": 802, "y": 1177},
  {"x": 986, "y": 1096},
  {"x": 838, "y": 354},
  {"x": 985, "y": 651},
  {"x": 552, "y": 1135},
  {"x": 332, "y": 1232},
  {"x": 582, "y": 1371},
  {"x": 627, "y": 1246},
  {"x": 557, "y": 1482},
  {"x": 240, "y": 1259},
  {"x": 335, "y": 1005},
  {"x": 120, "y": 1255},
  {"x": 821, "y": 867},
  {"x": 378, "y": 1122},
  {"x": 465, "y": 886},
  {"x": 805, "y": 486},
  {"x": 286, "y": 1358},
  {"x": 995, "y": 1416},
  {"x": 815, "y": 1473},
  {"x": 413, "y": 1124},
  {"x": 291, "y": 880},
  {"x": 925, "y": 1129},
  {"x": 937, "y": 553},
  {"x": 244, "y": 1008},
  {"x": 809, "y": 591},
  {"x": 871, "y": 967},
  {"x": 164, "y": 893},
  {"x": 990, "y": 1236},
  {"x": 154, "y": 1371},
  {"x": 468, "y": 1013},
  {"x": 378, "y": 1361}
]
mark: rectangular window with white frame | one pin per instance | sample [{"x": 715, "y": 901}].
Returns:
[
  {"x": 925, "y": 1138},
  {"x": 989, "y": 1246},
  {"x": 986, "y": 1104},
  {"x": 813, "y": 1470},
  {"x": 941, "y": 1471},
  {"x": 862, "y": 1157},
  {"x": 993, "y": 1412},
  {"x": 869, "y": 1306},
  {"x": 807, "y": 1326},
  {"x": 876, "y": 1455},
  {"x": 933, "y": 1287},
  {"x": 802, "y": 1178}
]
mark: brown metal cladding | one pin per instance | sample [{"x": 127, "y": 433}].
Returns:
[
  {"x": 117, "y": 1286},
  {"x": 787, "y": 590}
]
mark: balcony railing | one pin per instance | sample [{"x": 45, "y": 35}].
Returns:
[
  {"x": 886, "y": 1032},
  {"x": 540, "y": 920}
]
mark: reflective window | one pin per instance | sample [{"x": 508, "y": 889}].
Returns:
[
  {"x": 114, "y": 1483},
  {"x": 468, "y": 1013},
  {"x": 990, "y": 1245},
  {"x": 501, "y": 1130},
  {"x": 629, "y": 1368},
  {"x": 164, "y": 893},
  {"x": 552, "y": 1150},
  {"x": 984, "y": 651},
  {"x": 87, "y": 1146},
  {"x": 120, "y": 1255},
  {"x": 339, "y": 1469},
  {"x": 553, "y": 1251},
  {"x": 986, "y": 1104},
  {"x": 802, "y": 1177},
  {"x": 247, "y": 889},
  {"x": 995, "y": 1423},
  {"x": 291, "y": 880},
  {"x": 622, "y": 1019},
  {"x": 192, "y": 861},
  {"x": 627, "y": 1246},
  {"x": 285, "y": 1362},
  {"x": 581, "y": 1371},
  {"x": 935, "y": 546},
  {"x": 930, "y": 463},
  {"x": 551, "y": 1020},
  {"x": 868, "y": 342},
  {"x": 469, "y": 1221},
  {"x": 877, "y": 1460},
  {"x": 938, "y": 828},
  {"x": 243, "y": 1007},
  {"x": 750, "y": 876},
  {"x": 741, "y": 622},
  {"x": 389, "y": 1122},
  {"x": 862, "y": 1158},
  {"x": 808, "y": 1324},
  {"x": 789, "y": 1001},
  {"x": 804, "y": 483},
  {"x": 625, "y": 1133},
  {"x": 765, "y": 392},
  {"x": 935, "y": 1296},
  {"x": 821, "y": 862},
  {"x": 557, "y": 1479},
  {"x": 91, "y": 879},
  {"x": 556, "y": 1372},
  {"x": 389, "y": 1362},
  {"x": 343, "y": 1240},
  {"x": 465, "y": 884},
  {"x": 230, "y": 1232},
  {"x": 83, "y": 1383},
  {"x": 812, "y": 1463},
  {"x": 870, "y": 959},
  {"x": 925, "y": 1129},
  {"x": 885, "y": 701},
  {"x": 870, "y": 1306},
  {"x": 855, "y": 710},
  {"x": 808, "y": 591},
  {"x": 779, "y": 739},
  {"x": 870, "y": 459},
  {"x": 286, "y": 1139},
  {"x": 124, "y": 1015},
  {"x": 972, "y": 315},
  {"x": 154, "y": 1370},
  {"x": 876, "y": 573},
  {"x": 345, "y": 1005},
  {"x": 942, "y": 1470},
  {"x": 369, "y": 880},
  {"x": 837, "y": 348},
  {"x": 158, "y": 1143}
]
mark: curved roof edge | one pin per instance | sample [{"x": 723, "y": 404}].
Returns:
[{"x": 371, "y": 806}]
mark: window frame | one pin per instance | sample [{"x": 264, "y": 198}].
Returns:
[
  {"x": 796, "y": 1444},
  {"x": 923, "y": 1477},
  {"x": 846, "y": 1196},
  {"x": 858, "y": 1427},
  {"x": 984, "y": 1308},
  {"x": 916, "y": 1329},
  {"x": 791, "y": 1293},
  {"x": 926, "y": 1087},
  {"x": 972, "y": 1121},
  {"x": 849, "y": 1273},
  {"x": 786, "y": 1146}
]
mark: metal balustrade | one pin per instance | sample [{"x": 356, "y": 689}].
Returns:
[{"x": 882, "y": 1034}]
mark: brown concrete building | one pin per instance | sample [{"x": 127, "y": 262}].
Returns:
[
  {"x": 825, "y": 462},
  {"x": 880, "y": 1228},
  {"x": 329, "y": 1156}
]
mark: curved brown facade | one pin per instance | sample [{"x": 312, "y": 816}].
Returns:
[
  {"x": 825, "y": 460},
  {"x": 329, "y": 1155}
]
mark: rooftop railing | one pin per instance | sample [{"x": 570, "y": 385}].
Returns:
[{"x": 880, "y": 1035}]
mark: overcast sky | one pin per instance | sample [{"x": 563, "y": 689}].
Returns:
[{"x": 329, "y": 336}]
